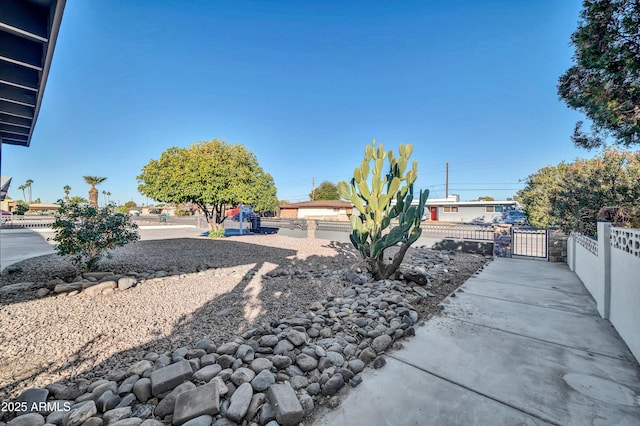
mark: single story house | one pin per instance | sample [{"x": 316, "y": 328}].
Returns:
[
  {"x": 330, "y": 209},
  {"x": 451, "y": 209},
  {"x": 42, "y": 209}
]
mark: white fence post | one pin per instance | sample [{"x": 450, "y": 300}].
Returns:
[{"x": 604, "y": 258}]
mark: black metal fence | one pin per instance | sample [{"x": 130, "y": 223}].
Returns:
[
  {"x": 518, "y": 241},
  {"x": 325, "y": 225},
  {"x": 285, "y": 223},
  {"x": 17, "y": 222},
  {"x": 458, "y": 231}
]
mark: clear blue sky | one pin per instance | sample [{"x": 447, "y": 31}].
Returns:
[{"x": 305, "y": 86}]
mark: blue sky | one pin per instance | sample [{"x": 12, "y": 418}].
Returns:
[{"x": 305, "y": 86}]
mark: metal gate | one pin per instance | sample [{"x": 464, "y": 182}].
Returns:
[
  {"x": 529, "y": 242},
  {"x": 521, "y": 242}
]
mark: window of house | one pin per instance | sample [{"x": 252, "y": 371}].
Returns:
[
  {"x": 493, "y": 209},
  {"x": 451, "y": 209}
]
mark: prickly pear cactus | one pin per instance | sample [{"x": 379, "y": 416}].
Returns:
[{"x": 383, "y": 203}]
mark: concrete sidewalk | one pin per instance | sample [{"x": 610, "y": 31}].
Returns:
[
  {"x": 521, "y": 343},
  {"x": 20, "y": 244}
]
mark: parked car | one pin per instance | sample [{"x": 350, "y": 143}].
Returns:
[{"x": 514, "y": 217}]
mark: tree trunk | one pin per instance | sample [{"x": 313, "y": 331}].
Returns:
[
  {"x": 382, "y": 271},
  {"x": 93, "y": 197}
]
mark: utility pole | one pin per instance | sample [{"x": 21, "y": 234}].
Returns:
[
  {"x": 313, "y": 189},
  {"x": 446, "y": 186}
]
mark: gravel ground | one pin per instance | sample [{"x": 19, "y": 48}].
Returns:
[{"x": 214, "y": 289}]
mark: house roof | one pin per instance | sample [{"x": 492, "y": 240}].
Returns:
[
  {"x": 28, "y": 33},
  {"x": 468, "y": 203},
  {"x": 335, "y": 204},
  {"x": 5, "y": 182},
  {"x": 43, "y": 206}
]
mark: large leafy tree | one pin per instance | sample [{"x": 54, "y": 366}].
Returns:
[
  {"x": 570, "y": 195},
  {"x": 325, "y": 191},
  {"x": 213, "y": 175},
  {"x": 604, "y": 83},
  {"x": 536, "y": 195},
  {"x": 611, "y": 179}
]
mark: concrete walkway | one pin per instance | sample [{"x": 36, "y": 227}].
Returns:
[
  {"x": 20, "y": 244},
  {"x": 521, "y": 343}
]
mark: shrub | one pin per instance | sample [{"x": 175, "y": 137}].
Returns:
[
  {"x": 182, "y": 212},
  {"x": 84, "y": 233},
  {"x": 21, "y": 208},
  {"x": 216, "y": 233},
  {"x": 376, "y": 208}
]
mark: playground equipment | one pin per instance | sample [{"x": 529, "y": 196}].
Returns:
[{"x": 244, "y": 213}]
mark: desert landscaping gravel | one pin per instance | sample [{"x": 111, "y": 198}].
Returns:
[{"x": 187, "y": 289}]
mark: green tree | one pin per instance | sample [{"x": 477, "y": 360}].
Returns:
[
  {"x": 84, "y": 234},
  {"x": 325, "y": 191},
  {"x": 106, "y": 195},
  {"x": 22, "y": 188},
  {"x": 265, "y": 197},
  {"x": 93, "y": 192},
  {"x": 571, "y": 195},
  {"x": 76, "y": 199},
  {"x": 536, "y": 195},
  {"x": 130, "y": 204},
  {"x": 486, "y": 198},
  {"x": 28, "y": 184},
  {"x": 212, "y": 175},
  {"x": 67, "y": 191},
  {"x": 390, "y": 197},
  {"x": 21, "y": 207},
  {"x": 609, "y": 180},
  {"x": 604, "y": 83}
]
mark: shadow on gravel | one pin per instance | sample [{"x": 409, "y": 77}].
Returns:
[
  {"x": 174, "y": 256},
  {"x": 284, "y": 292}
]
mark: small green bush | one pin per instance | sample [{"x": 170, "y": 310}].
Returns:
[
  {"x": 84, "y": 233},
  {"x": 13, "y": 269},
  {"x": 216, "y": 233},
  {"x": 181, "y": 212}
]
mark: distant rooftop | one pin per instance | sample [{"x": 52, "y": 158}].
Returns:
[{"x": 336, "y": 204}]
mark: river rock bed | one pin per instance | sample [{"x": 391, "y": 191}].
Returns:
[{"x": 264, "y": 341}]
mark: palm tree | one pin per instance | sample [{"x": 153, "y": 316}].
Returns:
[
  {"x": 106, "y": 194},
  {"x": 28, "y": 184},
  {"x": 67, "y": 190},
  {"x": 76, "y": 199},
  {"x": 22, "y": 188},
  {"x": 93, "y": 192}
]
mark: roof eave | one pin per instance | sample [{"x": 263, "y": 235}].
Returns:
[{"x": 51, "y": 45}]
